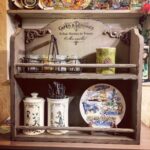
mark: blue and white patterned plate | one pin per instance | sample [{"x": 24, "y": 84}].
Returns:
[{"x": 102, "y": 105}]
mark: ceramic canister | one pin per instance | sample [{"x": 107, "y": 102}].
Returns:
[
  {"x": 106, "y": 55},
  {"x": 58, "y": 114},
  {"x": 33, "y": 113}
]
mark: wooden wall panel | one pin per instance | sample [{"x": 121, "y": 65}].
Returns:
[{"x": 4, "y": 85}]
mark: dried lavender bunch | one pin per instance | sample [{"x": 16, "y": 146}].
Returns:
[{"x": 56, "y": 90}]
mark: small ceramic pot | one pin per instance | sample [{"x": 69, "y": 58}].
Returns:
[
  {"x": 33, "y": 113},
  {"x": 58, "y": 114}
]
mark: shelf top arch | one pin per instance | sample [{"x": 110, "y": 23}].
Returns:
[{"x": 75, "y": 14}]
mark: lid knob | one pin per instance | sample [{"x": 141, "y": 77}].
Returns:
[{"x": 34, "y": 95}]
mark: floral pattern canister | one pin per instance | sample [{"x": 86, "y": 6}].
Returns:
[
  {"x": 33, "y": 113},
  {"x": 58, "y": 114}
]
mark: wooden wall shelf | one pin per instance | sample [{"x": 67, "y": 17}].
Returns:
[
  {"x": 128, "y": 82},
  {"x": 75, "y": 14}
]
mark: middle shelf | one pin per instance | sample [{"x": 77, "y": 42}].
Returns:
[{"x": 121, "y": 76}]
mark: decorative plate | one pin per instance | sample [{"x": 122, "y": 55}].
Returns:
[
  {"x": 29, "y": 4},
  {"x": 17, "y": 3},
  {"x": 46, "y": 4},
  {"x": 102, "y": 105},
  {"x": 76, "y": 4}
]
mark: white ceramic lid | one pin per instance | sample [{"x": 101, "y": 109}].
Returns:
[{"x": 34, "y": 98}]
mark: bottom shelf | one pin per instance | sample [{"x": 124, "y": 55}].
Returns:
[
  {"x": 81, "y": 135},
  {"x": 78, "y": 138}
]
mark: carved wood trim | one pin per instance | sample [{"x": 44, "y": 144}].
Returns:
[
  {"x": 123, "y": 36},
  {"x": 31, "y": 34}
]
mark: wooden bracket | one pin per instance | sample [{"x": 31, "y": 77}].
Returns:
[{"x": 31, "y": 34}]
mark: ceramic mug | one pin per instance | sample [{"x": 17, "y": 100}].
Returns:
[
  {"x": 106, "y": 55},
  {"x": 58, "y": 114}
]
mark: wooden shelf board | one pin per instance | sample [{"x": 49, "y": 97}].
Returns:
[
  {"x": 85, "y": 76},
  {"x": 77, "y": 138},
  {"x": 6, "y": 143},
  {"x": 75, "y": 14}
]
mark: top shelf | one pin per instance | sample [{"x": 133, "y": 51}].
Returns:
[{"x": 75, "y": 14}]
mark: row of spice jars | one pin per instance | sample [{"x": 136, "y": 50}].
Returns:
[{"x": 59, "y": 59}]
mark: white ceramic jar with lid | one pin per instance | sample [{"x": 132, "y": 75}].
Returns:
[{"x": 33, "y": 113}]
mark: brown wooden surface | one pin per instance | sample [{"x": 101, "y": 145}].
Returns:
[
  {"x": 122, "y": 130},
  {"x": 126, "y": 76},
  {"x": 136, "y": 51},
  {"x": 78, "y": 14},
  {"x": 145, "y": 144}
]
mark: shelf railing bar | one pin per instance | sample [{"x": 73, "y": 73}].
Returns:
[
  {"x": 119, "y": 130},
  {"x": 76, "y": 65}
]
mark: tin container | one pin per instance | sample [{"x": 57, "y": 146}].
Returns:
[
  {"x": 58, "y": 114},
  {"x": 106, "y": 55},
  {"x": 33, "y": 113}
]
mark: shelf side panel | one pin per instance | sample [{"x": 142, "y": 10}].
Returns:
[{"x": 136, "y": 53}]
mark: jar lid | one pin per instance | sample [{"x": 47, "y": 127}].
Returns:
[
  {"x": 33, "y": 56},
  {"x": 61, "y": 57},
  {"x": 34, "y": 98},
  {"x": 73, "y": 57}
]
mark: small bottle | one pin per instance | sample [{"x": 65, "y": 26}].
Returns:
[
  {"x": 74, "y": 60},
  {"x": 33, "y": 113},
  {"x": 48, "y": 60},
  {"x": 32, "y": 58},
  {"x": 61, "y": 59}
]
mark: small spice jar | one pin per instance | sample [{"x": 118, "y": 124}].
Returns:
[
  {"x": 73, "y": 60},
  {"x": 61, "y": 59},
  {"x": 33, "y": 113},
  {"x": 49, "y": 60},
  {"x": 32, "y": 58}
]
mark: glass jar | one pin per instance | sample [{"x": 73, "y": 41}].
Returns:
[
  {"x": 47, "y": 60},
  {"x": 61, "y": 59},
  {"x": 33, "y": 58},
  {"x": 74, "y": 60}
]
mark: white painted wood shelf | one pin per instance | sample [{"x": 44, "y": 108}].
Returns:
[{"x": 75, "y": 14}]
